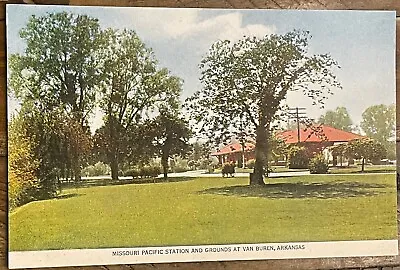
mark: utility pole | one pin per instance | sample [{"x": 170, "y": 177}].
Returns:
[{"x": 297, "y": 113}]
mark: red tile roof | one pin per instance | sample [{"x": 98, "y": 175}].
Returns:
[
  {"x": 329, "y": 134},
  {"x": 234, "y": 148},
  {"x": 326, "y": 133}
]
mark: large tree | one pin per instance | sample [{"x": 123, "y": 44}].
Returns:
[
  {"x": 59, "y": 69},
  {"x": 379, "y": 123},
  {"x": 338, "y": 118},
  {"x": 133, "y": 90},
  {"x": 248, "y": 80}
]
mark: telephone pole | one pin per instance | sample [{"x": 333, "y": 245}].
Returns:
[{"x": 297, "y": 114}]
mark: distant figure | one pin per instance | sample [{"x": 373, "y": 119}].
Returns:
[{"x": 228, "y": 170}]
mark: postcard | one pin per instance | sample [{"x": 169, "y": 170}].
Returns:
[{"x": 149, "y": 135}]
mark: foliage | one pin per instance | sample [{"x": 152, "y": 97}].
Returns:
[
  {"x": 178, "y": 164},
  {"x": 247, "y": 82},
  {"x": 365, "y": 149},
  {"x": 318, "y": 164},
  {"x": 59, "y": 71},
  {"x": 379, "y": 123},
  {"x": 168, "y": 135},
  {"x": 250, "y": 163},
  {"x": 339, "y": 150},
  {"x": 132, "y": 89},
  {"x": 339, "y": 118},
  {"x": 298, "y": 157},
  {"x": 145, "y": 171},
  {"x": 96, "y": 170},
  {"x": 228, "y": 169},
  {"x": 149, "y": 171},
  {"x": 199, "y": 155},
  {"x": 279, "y": 149},
  {"x": 22, "y": 166}
]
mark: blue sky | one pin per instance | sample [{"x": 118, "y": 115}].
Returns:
[{"x": 363, "y": 42}]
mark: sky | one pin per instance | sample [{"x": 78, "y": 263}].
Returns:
[{"x": 362, "y": 42}]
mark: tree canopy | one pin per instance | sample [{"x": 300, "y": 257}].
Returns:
[
  {"x": 59, "y": 70},
  {"x": 70, "y": 68},
  {"x": 365, "y": 149},
  {"x": 378, "y": 122},
  {"x": 132, "y": 89},
  {"x": 338, "y": 118},
  {"x": 248, "y": 81}
]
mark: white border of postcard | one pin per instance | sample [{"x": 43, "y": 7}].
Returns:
[{"x": 80, "y": 257}]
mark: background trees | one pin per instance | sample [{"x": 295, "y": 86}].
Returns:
[
  {"x": 339, "y": 118},
  {"x": 365, "y": 149},
  {"x": 132, "y": 89},
  {"x": 71, "y": 67},
  {"x": 59, "y": 70},
  {"x": 248, "y": 81},
  {"x": 378, "y": 122}
]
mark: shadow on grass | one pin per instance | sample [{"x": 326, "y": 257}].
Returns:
[
  {"x": 109, "y": 182},
  {"x": 67, "y": 196},
  {"x": 301, "y": 190}
]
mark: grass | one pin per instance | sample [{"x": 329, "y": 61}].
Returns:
[
  {"x": 335, "y": 170},
  {"x": 274, "y": 169},
  {"x": 368, "y": 169},
  {"x": 210, "y": 211}
]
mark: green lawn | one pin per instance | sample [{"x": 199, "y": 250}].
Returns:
[
  {"x": 273, "y": 168},
  {"x": 368, "y": 168},
  {"x": 210, "y": 211}
]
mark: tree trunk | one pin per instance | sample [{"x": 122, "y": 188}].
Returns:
[
  {"x": 243, "y": 144},
  {"x": 334, "y": 160},
  {"x": 257, "y": 178},
  {"x": 114, "y": 168},
  {"x": 164, "y": 164},
  {"x": 362, "y": 164},
  {"x": 77, "y": 170}
]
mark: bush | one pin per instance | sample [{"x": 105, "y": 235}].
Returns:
[
  {"x": 154, "y": 171},
  {"x": 132, "y": 172},
  {"x": 250, "y": 163},
  {"x": 318, "y": 165},
  {"x": 228, "y": 169},
  {"x": 149, "y": 171},
  {"x": 298, "y": 158}
]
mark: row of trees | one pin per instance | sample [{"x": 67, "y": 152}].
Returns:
[{"x": 71, "y": 68}]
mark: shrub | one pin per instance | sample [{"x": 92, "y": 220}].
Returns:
[
  {"x": 318, "y": 165},
  {"x": 144, "y": 172},
  {"x": 298, "y": 158},
  {"x": 154, "y": 171},
  {"x": 250, "y": 163},
  {"x": 132, "y": 172},
  {"x": 148, "y": 171},
  {"x": 23, "y": 183},
  {"x": 228, "y": 169}
]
